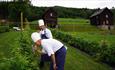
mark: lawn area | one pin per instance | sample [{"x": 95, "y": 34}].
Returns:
[
  {"x": 82, "y": 61},
  {"x": 75, "y": 25},
  {"x": 81, "y": 28},
  {"x": 77, "y": 28},
  {"x": 91, "y": 36},
  {"x": 73, "y": 21}
]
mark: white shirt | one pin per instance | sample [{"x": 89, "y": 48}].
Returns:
[
  {"x": 47, "y": 32},
  {"x": 50, "y": 46}
]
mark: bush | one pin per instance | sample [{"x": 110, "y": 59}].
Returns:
[
  {"x": 22, "y": 57},
  {"x": 101, "y": 52},
  {"x": 4, "y": 29},
  {"x": 106, "y": 53}
]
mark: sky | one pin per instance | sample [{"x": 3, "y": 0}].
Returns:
[{"x": 75, "y": 3}]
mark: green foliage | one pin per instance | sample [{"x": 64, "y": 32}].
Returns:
[
  {"x": 102, "y": 52},
  {"x": 11, "y": 10},
  {"x": 22, "y": 57},
  {"x": 24, "y": 53},
  {"x": 64, "y": 12},
  {"x": 75, "y": 59},
  {"x": 3, "y": 10},
  {"x": 35, "y": 13},
  {"x": 113, "y": 11},
  {"x": 4, "y": 29},
  {"x": 106, "y": 53},
  {"x": 15, "y": 9}
]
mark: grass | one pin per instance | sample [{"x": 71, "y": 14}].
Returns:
[
  {"x": 82, "y": 62},
  {"x": 72, "y": 21},
  {"x": 81, "y": 28},
  {"x": 75, "y": 25},
  {"x": 77, "y": 28},
  {"x": 95, "y": 36}
]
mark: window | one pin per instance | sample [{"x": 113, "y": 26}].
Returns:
[
  {"x": 96, "y": 17},
  {"x": 106, "y": 16},
  {"x": 103, "y": 22},
  {"x": 107, "y": 22},
  {"x": 50, "y": 14}
]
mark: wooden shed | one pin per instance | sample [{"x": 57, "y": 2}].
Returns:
[
  {"x": 102, "y": 18},
  {"x": 50, "y": 17}
]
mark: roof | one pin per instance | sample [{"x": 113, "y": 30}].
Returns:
[
  {"x": 98, "y": 12},
  {"x": 49, "y": 9}
]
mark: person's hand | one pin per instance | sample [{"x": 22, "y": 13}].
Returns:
[
  {"x": 35, "y": 47},
  {"x": 54, "y": 67}
]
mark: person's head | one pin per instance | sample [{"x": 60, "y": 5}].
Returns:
[
  {"x": 36, "y": 38},
  {"x": 41, "y": 24}
]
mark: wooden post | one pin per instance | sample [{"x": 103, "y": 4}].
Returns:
[
  {"x": 27, "y": 23},
  {"x": 21, "y": 21}
]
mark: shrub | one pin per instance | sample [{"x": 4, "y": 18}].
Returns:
[
  {"x": 22, "y": 57},
  {"x": 102, "y": 52},
  {"x": 4, "y": 29}
]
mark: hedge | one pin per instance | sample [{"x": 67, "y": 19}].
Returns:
[
  {"x": 4, "y": 29},
  {"x": 22, "y": 57},
  {"x": 100, "y": 51}
]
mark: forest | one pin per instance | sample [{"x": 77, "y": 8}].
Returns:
[{"x": 12, "y": 10}]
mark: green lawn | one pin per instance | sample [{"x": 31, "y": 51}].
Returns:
[
  {"x": 73, "y": 21},
  {"x": 75, "y": 25},
  {"x": 95, "y": 36},
  {"x": 77, "y": 60},
  {"x": 77, "y": 28},
  {"x": 82, "y": 28}
]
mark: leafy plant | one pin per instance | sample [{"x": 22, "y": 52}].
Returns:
[
  {"x": 100, "y": 51},
  {"x": 4, "y": 29}
]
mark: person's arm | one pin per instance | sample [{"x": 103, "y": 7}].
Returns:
[{"x": 54, "y": 61}]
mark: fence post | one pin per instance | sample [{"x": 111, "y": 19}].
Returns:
[{"x": 21, "y": 20}]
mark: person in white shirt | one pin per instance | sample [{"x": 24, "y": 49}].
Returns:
[
  {"x": 45, "y": 33},
  {"x": 54, "y": 48}
]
